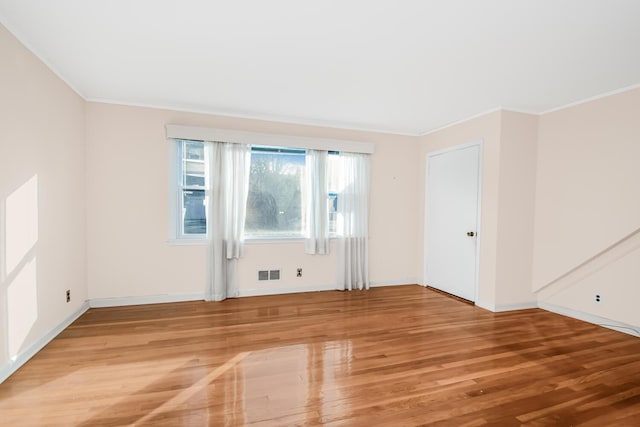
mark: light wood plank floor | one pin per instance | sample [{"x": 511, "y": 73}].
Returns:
[{"x": 396, "y": 356}]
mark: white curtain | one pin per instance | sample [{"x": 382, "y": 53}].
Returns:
[
  {"x": 353, "y": 223},
  {"x": 316, "y": 196},
  {"x": 229, "y": 186}
]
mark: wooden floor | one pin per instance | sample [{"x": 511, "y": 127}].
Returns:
[{"x": 396, "y": 356}]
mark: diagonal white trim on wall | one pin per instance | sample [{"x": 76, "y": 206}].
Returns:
[
  {"x": 591, "y": 318},
  {"x": 605, "y": 257}
]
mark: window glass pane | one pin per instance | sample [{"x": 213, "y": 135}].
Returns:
[
  {"x": 194, "y": 150},
  {"x": 275, "y": 202},
  {"x": 194, "y": 212},
  {"x": 193, "y": 186},
  {"x": 193, "y": 164},
  {"x": 333, "y": 178},
  {"x": 194, "y": 180}
]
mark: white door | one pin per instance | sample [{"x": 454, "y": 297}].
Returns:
[{"x": 451, "y": 220}]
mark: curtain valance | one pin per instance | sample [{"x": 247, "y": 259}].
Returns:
[{"x": 270, "y": 139}]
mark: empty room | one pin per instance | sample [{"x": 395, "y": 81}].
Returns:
[{"x": 289, "y": 213}]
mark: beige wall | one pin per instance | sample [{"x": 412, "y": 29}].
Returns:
[
  {"x": 587, "y": 206},
  {"x": 42, "y": 202},
  {"x": 487, "y": 129},
  {"x": 127, "y": 207},
  {"x": 514, "y": 255},
  {"x": 508, "y": 187}
]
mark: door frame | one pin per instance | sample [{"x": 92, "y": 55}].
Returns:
[{"x": 477, "y": 143}]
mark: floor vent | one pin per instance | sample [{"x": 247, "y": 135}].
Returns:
[
  {"x": 263, "y": 275},
  {"x": 274, "y": 274}
]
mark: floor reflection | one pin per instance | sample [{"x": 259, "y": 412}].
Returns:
[{"x": 282, "y": 385}]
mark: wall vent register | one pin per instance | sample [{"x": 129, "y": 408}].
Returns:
[{"x": 268, "y": 275}]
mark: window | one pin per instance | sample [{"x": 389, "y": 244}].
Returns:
[
  {"x": 192, "y": 189},
  {"x": 275, "y": 203}
]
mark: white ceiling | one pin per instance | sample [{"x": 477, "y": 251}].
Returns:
[{"x": 398, "y": 66}]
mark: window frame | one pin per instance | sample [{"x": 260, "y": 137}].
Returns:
[
  {"x": 177, "y": 236},
  {"x": 265, "y": 238},
  {"x": 176, "y": 198}
]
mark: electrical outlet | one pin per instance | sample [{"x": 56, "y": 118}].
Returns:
[
  {"x": 68, "y": 295},
  {"x": 598, "y": 298},
  {"x": 299, "y": 272}
]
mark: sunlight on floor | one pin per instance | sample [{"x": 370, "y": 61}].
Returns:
[
  {"x": 259, "y": 386},
  {"x": 181, "y": 398},
  {"x": 103, "y": 391}
]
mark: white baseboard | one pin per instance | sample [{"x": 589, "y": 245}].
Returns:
[
  {"x": 250, "y": 292},
  {"x": 488, "y": 307},
  {"x": 507, "y": 307},
  {"x": 517, "y": 306},
  {"x": 403, "y": 282},
  {"x": 147, "y": 299},
  {"x": 256, "y": 292},
  {"x": 591, "y": 318},
  {"x": 23, "y": 357}
]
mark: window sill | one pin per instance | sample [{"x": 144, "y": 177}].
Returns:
[
  {"x": 187, "y": 242},
  {"x": 278, "y": 240},
  {"x": 247, "y": 241},
  {"x": 273, "y": 240}
]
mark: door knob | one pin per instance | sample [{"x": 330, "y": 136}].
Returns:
[{"x": 470, "y": 233}]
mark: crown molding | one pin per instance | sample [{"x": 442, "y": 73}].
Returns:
[{"x": 593, "y": 98}]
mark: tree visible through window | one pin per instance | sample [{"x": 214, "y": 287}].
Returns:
[{"x": 275, "y": 202}]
